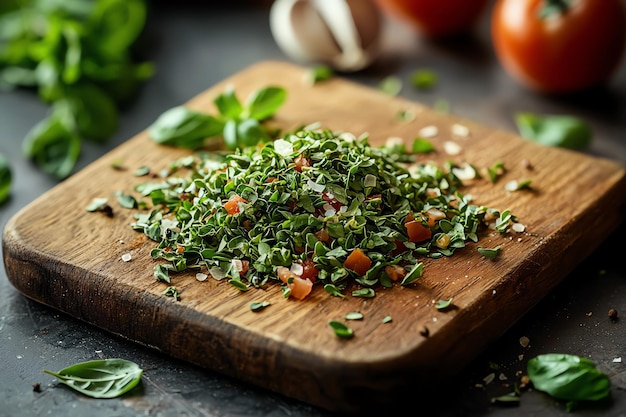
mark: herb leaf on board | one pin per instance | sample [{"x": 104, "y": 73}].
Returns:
[{"x": 554, "y": 130}]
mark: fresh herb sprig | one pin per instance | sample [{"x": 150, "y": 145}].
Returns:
[
  {"x": 238, "y": 124},
  {"x": 313, "y": 195},
  {"x": 78, "y": 57}
]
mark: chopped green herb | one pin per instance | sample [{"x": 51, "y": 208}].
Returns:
[
  {"x": 320, "y": 73},
  {"x": 118, "y": 164},
  {"x": 309, "y": 198},
  {"x": 391, "y": 85},
  {"x": 341, "y": 330},
  {"x": 387, "y": 319},
  {"x": 142, "y": 171},
  {"x": 172, "y": 292},
  {"x": 490, "y": 253},
  {"x": 568, "y": 377},
  {"x": 258, "y": 306},
  {"x": 443, "y": 304},
  {"x": 511, "y": 399},
  {"x": 495, "y": 171},
  {"x": 423, "y": 79},
  {"x": 421, "y": 145},
  {"x": 354, "y": 315},
  {"x": 406, "y": 115},
  {"x": 98, "y": 204},
  {"x": 554, "y": 130},
  {"x": 364, "y": 293},
  {"x": 442, "y": 105},
  {"x": 518, "y": 185},
  {"x": 107, "y": 378},
  {"x": 126, "y": 200}
]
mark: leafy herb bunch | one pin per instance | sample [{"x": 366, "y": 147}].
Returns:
[
  {"x": 313, "y": 195},
  {"x": 77, "y": 55}
]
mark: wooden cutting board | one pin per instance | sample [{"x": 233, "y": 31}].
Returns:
[{"x": 57, "y": 253}]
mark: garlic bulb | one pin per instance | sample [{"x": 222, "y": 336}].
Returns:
[{"x": 343, "y": 34}]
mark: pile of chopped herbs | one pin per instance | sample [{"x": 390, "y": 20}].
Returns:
[{"x": 290, "y": 192}]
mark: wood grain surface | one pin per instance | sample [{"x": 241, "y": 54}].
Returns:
[{"x": 57, "y": 253}]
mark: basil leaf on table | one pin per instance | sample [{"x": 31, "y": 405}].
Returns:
[
  {"x": 53, "y": 146},
  {"x": 554, "y": 130},
  {"x": 106, "y": 378},
  {"x": 568, "y": 377},
  {"x": 263, "y": 103}
]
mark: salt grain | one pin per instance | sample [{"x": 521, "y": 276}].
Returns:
[
  {"x": 460, "y": 130},
  {"x": 201, "y": 277},
  {"x": 452, "y": 148},
  {"x": 428, "y": 131},
  {"x": 617, "y": 360},
  {"x": 126, "y": 257}
]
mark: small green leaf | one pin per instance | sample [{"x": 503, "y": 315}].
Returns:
[
  {"x": 320, "y": 73},
  {"x": 341, "y": 330},
  {"x": 387, "y": 319},
  {"x": 568, "y": 377},
  {"x": 423, "y": 79},
  {"x": 258, "y": 306},
  {"x": 391, "y": 85},
  {"x": 185, "y": 128},
  {"x": 554, "y": 130},
  {"x": 333, "y": 290},
  {"x": 511, "y": 399},
  {"x": 238, "y": 284},
  {"x": 413, "y": 274},
  {"x": 354, "y": 315},
  {"x": 490, "y": 253},
  {"x": 443, "y": 304},
  {"x": 172, "y": 292},
  {"x": 107, "y": 378},
  {"x": 263, "y": 103},
  {"x": 97, "y": 204},
  {"x": 364, "y": 293},
  {"x": 228, "y": 104},
  {"x": 421, "y": 145}
]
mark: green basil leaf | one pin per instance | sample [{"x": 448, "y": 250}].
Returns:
[
  {"x": 93, "y": 112},
  {"x": 5, "y": 179},
  {"x": 114, "y": 25},
  {"x": 53, "y": 147},
  {"x": 107, "y": 378},
  {"x": 228, "y": 104},
  {"x": 561, "y": 131},
  {"x": 250, "y": 132},
  {"x": 341, "y": 330},
  {"x": 183, "y": 127},
  {"x": 264, "y": 102},
  {"x": 568, "y": 377}
]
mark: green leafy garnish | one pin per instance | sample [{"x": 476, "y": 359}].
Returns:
[
  {"x": 387, "y": 319},
  {"x": 354, "y": 315},
  {"x": 568, "y": 377},
  {"x": 443, "y": 304},
  {"x": 258, "y": 306},
  {"x": 5, "y": 179},
  {"x": 391, "y": 85},
  {"x": 421, "y": 145},
  {"x": 313, "y": 196},
  {"x": 341, "y": 330},
  {"x": 320, "y": 73},
  {"x": 172, "y": 292},
  {"x": 490, "y": 253},
  {"x": 423, "y": 79},
  {"x": 554, "y": 130},
  {"x": 237, "y": 124},
  {"x": 107, "y": 378},
  {"x": 78, "y": 56}
]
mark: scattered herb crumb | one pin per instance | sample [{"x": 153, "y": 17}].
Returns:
[
  {"x": 100, "y": 205},
  {"x": 387, "y": 319},
  {"x": 172, "y": 291},
  {"x": 341, "y": 330},
  {"x": 406, "y": 115},
  {"x": 319, "y": 73},
  {"x": 422, "y": 145},
  {"x": 443, "y": 304},
  {"x": 258, "y": 306},
  {"x": 354, "y": 315},
  {"x": 423, "y": 79},
  {"x": 391, "y": 85},
  {"x": 490, "y": 253}
]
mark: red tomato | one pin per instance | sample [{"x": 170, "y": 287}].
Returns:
[
  {"x": 309, "y": 270},
  {"x": 437, "y": 18},
  {"x": 299, "y": 288},
  {"x": 575, "y": 45}
]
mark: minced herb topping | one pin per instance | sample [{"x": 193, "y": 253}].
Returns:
[{"x": 316, "y": 206}]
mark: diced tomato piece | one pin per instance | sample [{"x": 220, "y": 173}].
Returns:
[
  {"x": 395, "y": 272},
  {"x": 358, "y": 261},
  {"x": 400, "y": 247},
  {"x": 417, "y": 231},
  {"x": 299, "y": 288},
  {"x": 245, "y": 266},
  {"x": 232, "y": 205},
  {"x": 309, "y": 270}
]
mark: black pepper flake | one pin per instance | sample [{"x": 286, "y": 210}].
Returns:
[
  {"x": 424, "y": 331},
  {"x": 37, "y": 387}
]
